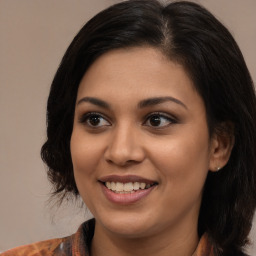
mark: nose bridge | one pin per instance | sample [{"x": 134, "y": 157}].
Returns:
[{"x": 124, "y": 145}]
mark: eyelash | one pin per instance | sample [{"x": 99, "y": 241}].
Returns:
[
  {"x": 85, "y": 119},
  {"x": 168, "y": 118}
]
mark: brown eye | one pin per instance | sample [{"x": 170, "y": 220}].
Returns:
[
  {"x": 94, "y": 120},
  {"x": 155, "y": 120},
  {"x": 159, "y": 120}
]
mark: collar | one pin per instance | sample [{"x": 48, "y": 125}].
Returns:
[
  {"x": 82, "y": 239},
  {"x": 205, "y": 247}
]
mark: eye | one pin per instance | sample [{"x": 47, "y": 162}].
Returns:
[
  {"x": 94, "y": 120},
  {"x": 159, "y": 120}
]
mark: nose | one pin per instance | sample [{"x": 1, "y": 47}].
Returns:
[{"x": 125, "y": 147}]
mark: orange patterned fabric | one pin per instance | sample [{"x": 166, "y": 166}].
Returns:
[
  {"x": 204, "y": 247},
  {"x": 78, "y": 244}
]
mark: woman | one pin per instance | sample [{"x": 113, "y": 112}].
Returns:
[{"x": 152, "y": 121}]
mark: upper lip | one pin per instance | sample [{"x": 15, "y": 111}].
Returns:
[{"x": 126, "y": 179}]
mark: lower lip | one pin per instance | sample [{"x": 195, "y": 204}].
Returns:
[{"x": 126, "y": 198}]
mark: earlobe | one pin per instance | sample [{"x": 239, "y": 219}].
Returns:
[{"x": 222, "y": 143}]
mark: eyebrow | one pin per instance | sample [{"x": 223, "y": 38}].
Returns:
[
  {"x": 94, "y": 101},
  {"x": 158, "y": 100},
  {"x": 142, "y": 104}
]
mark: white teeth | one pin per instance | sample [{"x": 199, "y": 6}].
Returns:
[
  {"x": 136, "y": 185},
  {"x": 142, "y": 185},
  {"x": 119, "y": 187},
  {"x": 108, "y": 184},
  {"x": 113, "y": 186},
  {"x": 128, "y": 187}
]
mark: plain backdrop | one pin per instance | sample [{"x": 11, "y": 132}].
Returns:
[{"x": 33, "y": 37}]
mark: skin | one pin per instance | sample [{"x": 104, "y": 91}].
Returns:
[{"x": 177, "y": 153}]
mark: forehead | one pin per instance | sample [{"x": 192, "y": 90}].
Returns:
[{"x": 136, "y": 73}]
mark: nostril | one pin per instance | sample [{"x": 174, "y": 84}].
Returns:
[
  {"x": 124, "y": 157},
  {"x": 122, "y": 163}
]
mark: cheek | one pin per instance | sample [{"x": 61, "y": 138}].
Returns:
[
  {"x": 184, "y": 161},
  {"x": 85, "y": 154},
  {"x": 183, "y": 167}
]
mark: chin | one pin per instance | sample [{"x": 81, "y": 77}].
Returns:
[{"x": 129, "y": 227}]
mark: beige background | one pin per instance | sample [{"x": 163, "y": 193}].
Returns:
[{"x": 33, "y": 37}]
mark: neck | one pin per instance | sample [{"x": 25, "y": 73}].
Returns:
[{"x": 166, "y": 243}]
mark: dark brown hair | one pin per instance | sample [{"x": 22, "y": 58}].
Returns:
[{"x": 189, "y": 34}]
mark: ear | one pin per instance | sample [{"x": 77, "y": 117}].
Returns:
[{"x": 222, "y": 143}]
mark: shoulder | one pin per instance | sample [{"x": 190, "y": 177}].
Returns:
[
  {"x": 42, "y": 248},
  {"x": 76, "y": 244}
]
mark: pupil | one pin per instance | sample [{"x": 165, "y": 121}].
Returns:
[
  {"x": 155, "y": 120},
  {"x": 94, "y": 120}
]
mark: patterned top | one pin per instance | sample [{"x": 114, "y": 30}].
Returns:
[{"x": 79, "y": 243}]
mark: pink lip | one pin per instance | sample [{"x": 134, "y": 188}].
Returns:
[
  {"x": 127, "y": 198},
  {"x": 126, "y": 179}
]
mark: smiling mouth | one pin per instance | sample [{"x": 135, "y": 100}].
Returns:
[
  {"x": 129, "y": 187},
  {"x": 127, "y": 184},
  {"x": 126, "y": 189}
]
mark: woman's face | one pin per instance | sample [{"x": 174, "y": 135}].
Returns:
[{"x": 140, "y": 144}]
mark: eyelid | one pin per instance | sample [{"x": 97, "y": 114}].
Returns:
[
  {"x": 171, "y": 118},
  {"x": 82, "y": 119}
]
